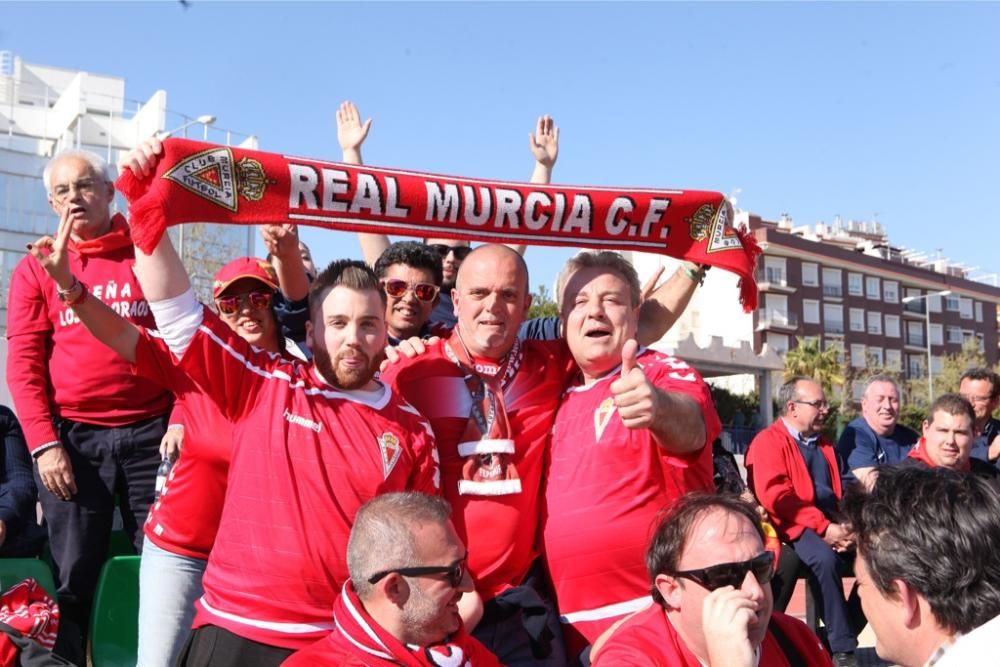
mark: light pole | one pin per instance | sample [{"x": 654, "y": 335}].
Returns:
[{"x": 927, "y": 318}]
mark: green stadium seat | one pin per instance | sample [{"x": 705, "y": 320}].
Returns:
[
  {"x": 15, "y": 570},
  {"x": 114, "y": 622}
]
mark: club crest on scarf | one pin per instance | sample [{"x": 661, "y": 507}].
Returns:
[
  {"x": 602, "y": 415},
  {"x": 709, "y": 224},
  {"x": 388, "y": 444},
  {"x": 214, "y": 175},
  {"x": 447, "y": 655}
]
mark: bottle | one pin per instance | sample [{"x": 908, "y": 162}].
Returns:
[{"x": 161, "y": 475}]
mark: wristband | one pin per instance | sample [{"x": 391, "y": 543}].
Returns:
[{"x": 64, "y": 295}]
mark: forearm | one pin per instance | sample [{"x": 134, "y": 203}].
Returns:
[
  {"x": 161, "y": 274},
  {"x": 292, "y": 278},
  {"x": 659, "y": 312},
  {"x": 108, "y": 326},
  {"x": 28, "y": 382},
  {"x": 678, "y": 426}
]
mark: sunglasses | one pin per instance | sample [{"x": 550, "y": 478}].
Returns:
[
  {"x": 461, "y": 251},
  {"x": 732, "y": 574},
  {"x": 454, "y": 573},
  {"x": 397, "y": 288},
  {"x": 230, "y": 305}
]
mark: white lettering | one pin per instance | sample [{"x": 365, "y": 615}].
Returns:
[
  {"x": 392, "y": 206},
  {"x": 367, "y": 195},
  {"x": 657, "y": 207},
  {"x": 334, "y": 183},
  {"x": 441, "y": 205},
  {"x": 471, "y": 216},
  {"x": 298, "y": 420},
  {"x": 110, "y": 290},
  {"x": 533, "y": 219},
  {"x": 617, "y": 221},
  {"x": 579, "y": 215},
  {"x": 508, "y": 206},
  {"x": 303, "y": 186}
]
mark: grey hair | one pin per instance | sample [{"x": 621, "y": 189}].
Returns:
[
  {"x": 789, "y": 391},
  {"x": 881, "y": 377},
  {"x": 382, "y": 535},
  {"x": 603, "y": 259},
  {"x": 96, "y": 162}
]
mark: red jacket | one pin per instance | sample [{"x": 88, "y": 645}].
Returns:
[{"x": 777, "y": 475}]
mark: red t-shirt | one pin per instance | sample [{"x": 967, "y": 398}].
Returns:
[
  {"x": 186, "y": 517},
  {"x": 605, "y": 485},
  {"x": 499, "y": 531},
  {"x": 55, "y": 367},
  {"x": 648, "y": 639},
  {"x": 305, "y": 457}
]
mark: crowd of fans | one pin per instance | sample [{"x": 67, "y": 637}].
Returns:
[{"x": 387, "y": 463}]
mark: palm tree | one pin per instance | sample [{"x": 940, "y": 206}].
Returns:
[{"x": 821, "y": 365}]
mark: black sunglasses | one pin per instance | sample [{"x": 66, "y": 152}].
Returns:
[
  {"x": 454, "y": 572},
  {"x": 732, "y": 574},
  {"x": 461, "y": 251}
]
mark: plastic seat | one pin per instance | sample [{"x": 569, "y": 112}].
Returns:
[
  {"x": 114, "y": 623},
  {"x": 15, "y": 570}
]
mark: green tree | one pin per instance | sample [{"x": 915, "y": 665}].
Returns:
[
  {"x": 821, "y": 365},
  {"x": 542, "y": 303},
  {"x": 953, "y": 366}
]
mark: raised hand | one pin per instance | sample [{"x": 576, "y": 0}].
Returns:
[
  {"x": 633, "y": 393},
  {"x": 281, "y": 240},
  {"x": 51, "y": 252},
  {"x": 142, "y": 159},
  {"x": 351, "y": 132},
  {"x": 544, "y": 142}
]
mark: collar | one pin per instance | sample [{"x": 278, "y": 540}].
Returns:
[{"x": 807, "y": 440}]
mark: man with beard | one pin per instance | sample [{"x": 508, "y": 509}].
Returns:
[
  {"x": 711, "y": 602},
  {"x": 875, "y": 438},
  {"x": 400, "y": 607},
  {"x": 795, "y": 474},
  {"x": 311, "y": 444}
]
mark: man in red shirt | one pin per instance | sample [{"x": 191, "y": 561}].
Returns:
[
  {"x": 400, "y": 607},
  {"x": 633, "y": 434},
  {"x": 311, "y": 444},
  {"x": 93, "y": 427},
  {"x": 709, "y": 573},
  {"x": 796, "y": 475}
]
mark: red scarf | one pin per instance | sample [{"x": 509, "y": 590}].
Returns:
[
  {"x": 117, "y": 237},
  {"x": 199, "y": 182},
  {"x": 919, "y": 452},
  {"x": 361, "y": 636}
]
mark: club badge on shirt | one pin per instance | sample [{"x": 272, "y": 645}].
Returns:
[
  {"x": 602, "y": 415},
  {"x": 389, "y": 446}
]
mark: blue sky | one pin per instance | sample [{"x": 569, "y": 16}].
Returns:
[{"x": 812, "y": 109}]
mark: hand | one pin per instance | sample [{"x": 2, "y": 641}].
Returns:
[
  {"x": 635, "y": 396},
  {"x": 726, "y": 615},
  {"x": 56, "y": 261},
  {"x": 409, "y": 348},
  {"x": 171, "y": 443},
  {"x": 650, "y": 285},
  {"x": 142, "y": 160},
  {"x": 993, "y": 452},
  {"x": 350, "y": 131},
  {"x": 282, "y": 241},
  {"x": 470, "y": 608},
  {"x": 544, "y": 143},
  {"x": 56, "y": 472},
  {"x": 836, "y": 534}
]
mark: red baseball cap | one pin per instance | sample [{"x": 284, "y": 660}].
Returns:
[{"x": 244, "y": 267}]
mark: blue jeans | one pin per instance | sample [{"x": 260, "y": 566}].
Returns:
[{"x": 169, "y": 584}]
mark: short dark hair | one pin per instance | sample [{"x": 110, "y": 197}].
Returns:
[
  {"x": 986, "y": 375},
  {"x": 937, "y": 530},
  {"x": 350, "y": 273},
  {"x": 673, "y": 531},
  {"x": 952, "y": 404},
  {"x": 410, "y": 253},
  {"x": 789, "y": 391}
]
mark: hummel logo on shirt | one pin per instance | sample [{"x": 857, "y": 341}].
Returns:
[{"x": 302, "y": 421}]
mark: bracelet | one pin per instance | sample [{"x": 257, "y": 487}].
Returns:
[
  {"x": 696, "y": 272},
  {"x": 64, "y": 295}
]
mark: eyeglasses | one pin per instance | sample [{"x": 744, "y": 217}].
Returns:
[
  {"x": 230, "y": 305},
  {"x": 977, "y": 399},
  {"x": 397, "y": 288},
  {"x": 732, "y": 574},
  {"x": 83, "y": 186},
  {"x": 461, "y": 251},
  {"x": 819, "y": 405},
  {"x": 455, "y": 572}
]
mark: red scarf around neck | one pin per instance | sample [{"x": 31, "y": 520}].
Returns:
[
  {"x": 199, "y": 182},
  {"x": 919, "y": 452},
  {"x": 117, "y": 237}
]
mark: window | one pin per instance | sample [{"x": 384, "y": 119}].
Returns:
[
  {"x": 777, "y": 342},
  {"x": 894, "y": 360},
  {"x": 774, "y": 270},
  {"x": 936, "y": 365},
  {"x": 890, "y": 290},
  {"x": 875, "y": 356},
  {"x": 951, "y": 303},
  {"x": 873, "y": 288},
  {"x": 934, "y": 303},
  {"x": 858, "y": 359},
  {"x": 836, "y": 345},
  {"x": 915, "y": 365},
  {"x": 979, "y": 311},
  {"x": 982, "y": 342},
  {"x": 954, "y": 335},
  {"x": 857, "y": 319},
  {"x": 810, "y": 311},
  {"x": 832, "y": 285},
  {"x": 809, "y": 340},
  {"x": 892, "y": 326},
  {"x": 916, "y": 306},
  {"x": 915, "y": 333},
  {"x": 965, "y": 308},
  {"x": 833, "y": 318},
  {"x": 854, "y": 286},
  {"x": 875, "y": 322},
  {"x": 937, "y": 334},
  {"x": 810, "y": 274}
]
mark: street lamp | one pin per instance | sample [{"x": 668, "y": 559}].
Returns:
[
  {"x": 927, "y": 317},
  {"x": 205, "y": 120}
]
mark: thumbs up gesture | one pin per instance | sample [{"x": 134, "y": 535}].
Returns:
[{"x": 634, "y": 395}]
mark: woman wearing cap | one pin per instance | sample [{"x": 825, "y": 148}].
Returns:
[{"x": 182, "y": 524}]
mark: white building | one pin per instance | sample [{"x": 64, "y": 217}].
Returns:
[{"x": 44, "y": 110}]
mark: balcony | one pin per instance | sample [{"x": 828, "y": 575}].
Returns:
[
  {"x": 915, "y": 340},
  {"x": 918, "y": 307},
  {"x": 833, "y": 328},
  {"x": 833, "y": 291},
  {"x": 773, "y": 280},
  {"x": 771, "y": 319}
]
